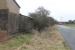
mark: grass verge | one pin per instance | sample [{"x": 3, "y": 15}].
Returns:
[
  {"x": 46, "y": 40},
  {"x": 15, "y": 42},
  {"x": 70, "y": 25}
]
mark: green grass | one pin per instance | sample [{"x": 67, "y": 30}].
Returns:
[
  {"x": 15, "y": 42},
  {"x": 70, "y": 25}
]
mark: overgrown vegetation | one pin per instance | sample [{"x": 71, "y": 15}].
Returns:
[
  {"x": 46, "y": 41},
  {"x": 38, "y": 20}
]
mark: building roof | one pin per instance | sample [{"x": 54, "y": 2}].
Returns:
[{"x": 16, "y": 3}]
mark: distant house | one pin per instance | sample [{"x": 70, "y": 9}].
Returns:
[{"x": 9, "y": 11}]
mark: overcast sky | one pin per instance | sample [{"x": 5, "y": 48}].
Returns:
[{"x": 61, "y": 10}]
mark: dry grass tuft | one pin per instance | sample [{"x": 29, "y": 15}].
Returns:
[{"x": 46, "y": 40}]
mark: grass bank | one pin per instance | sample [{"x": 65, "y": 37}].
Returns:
[
  {"x": 15, "y": 42},
  {"x": 49, "y": 39}
]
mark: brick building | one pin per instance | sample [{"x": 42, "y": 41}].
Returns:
[{"x": 9, "y": 11}]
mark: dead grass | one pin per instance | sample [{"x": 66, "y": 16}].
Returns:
[
  {"x": 46, "y": 40},
  {"x": 49, "y": 39}
]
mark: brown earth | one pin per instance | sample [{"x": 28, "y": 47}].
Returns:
[{"x": 3, "y": 36}]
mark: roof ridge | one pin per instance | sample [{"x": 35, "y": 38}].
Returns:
[{"x": 16, "y": 3}]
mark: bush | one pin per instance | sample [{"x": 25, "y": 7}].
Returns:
[{"x": 41, "y": 19}]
